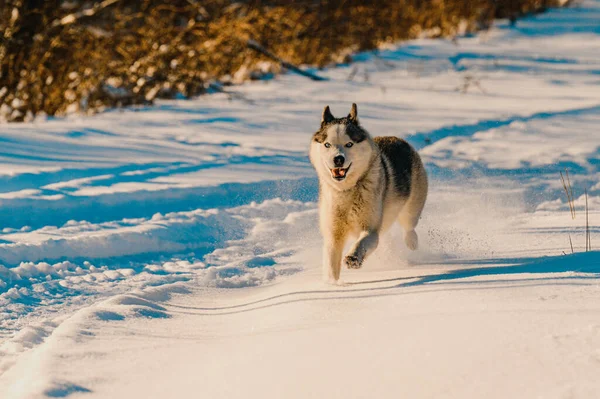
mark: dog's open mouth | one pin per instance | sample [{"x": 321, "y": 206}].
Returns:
[{"x": 339, "y": 174}]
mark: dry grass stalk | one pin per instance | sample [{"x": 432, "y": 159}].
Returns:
[
  {"x": 352, "y": 73},
  {"x": 571, "y": 242},
  {"x": 569, "y": 191},
  {"x": 570, "y": 188},
  {"x": 58, "y": 57},
  {"x": 588, "y": 240}
]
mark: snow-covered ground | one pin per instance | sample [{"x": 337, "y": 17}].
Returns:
[{"x": 173, "y": 251}]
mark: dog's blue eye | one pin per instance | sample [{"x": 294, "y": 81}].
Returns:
[
  {"x": 327, "y": 145},
  {"x": 350, "y": 144}
]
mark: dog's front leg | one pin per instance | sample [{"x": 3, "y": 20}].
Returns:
[
  {"x": 332, "y": 260},
  {"x": 366, "y": 243}
]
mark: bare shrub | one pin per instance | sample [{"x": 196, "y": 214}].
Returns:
[{"x": 61, "y": 56}]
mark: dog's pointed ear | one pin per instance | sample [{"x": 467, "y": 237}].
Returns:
[
  {"x": 327, "y": 116},
  {"x": 353, "y": 115}
]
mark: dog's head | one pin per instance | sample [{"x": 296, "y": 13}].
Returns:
[{"x": 341, "y": 150}]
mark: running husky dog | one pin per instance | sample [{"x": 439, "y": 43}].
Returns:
[{"x": 365, "y": 184}]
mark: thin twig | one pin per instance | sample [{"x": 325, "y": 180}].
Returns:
[
  {"x": 261, "y": 49},
  {"x": 382, "y": 62},
  {"x": 562, "y": 180},
  {"x": 353, "y": 73},
  {"x": 230, "y": 94},
  {"x": 71, "y": 18},
  {"x": 571, "y": 242},
  {"x": 570, "y": 191},
  {"x": 477, "y": 84},
  {"x": 569, "y": 194},
  {"x": 200, "y": 9},
  {"x": 588, "y": 243}
]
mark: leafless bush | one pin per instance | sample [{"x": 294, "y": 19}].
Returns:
[{"x": 60, "y": 56}]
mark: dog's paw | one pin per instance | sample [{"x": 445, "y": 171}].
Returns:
[
  {"x": 352, "y": 262},
  {"x": 412, "y": 240},
  {"x": 330, "y": 281},
  {"x": 336, "y": 283}
]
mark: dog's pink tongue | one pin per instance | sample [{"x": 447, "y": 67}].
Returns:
[{"x": 339, "y": 172}]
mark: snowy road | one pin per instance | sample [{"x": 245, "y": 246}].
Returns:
[{"x": 173, "y": 251}]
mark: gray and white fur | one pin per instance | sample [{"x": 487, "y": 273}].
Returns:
[{"x": 365, "y": 184}]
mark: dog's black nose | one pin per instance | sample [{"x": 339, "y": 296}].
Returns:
[{"x": 339, "y": 161}]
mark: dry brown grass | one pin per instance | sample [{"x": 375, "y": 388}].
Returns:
[
  {"x": 58, "y": 56},
  {"x": 566, "y": 183}
]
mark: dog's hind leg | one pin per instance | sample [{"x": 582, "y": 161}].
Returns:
[
  {"x": 411, "y": 212},
  {"x": 408, "y": 221},
  {"x": 366, "y": 243}
]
